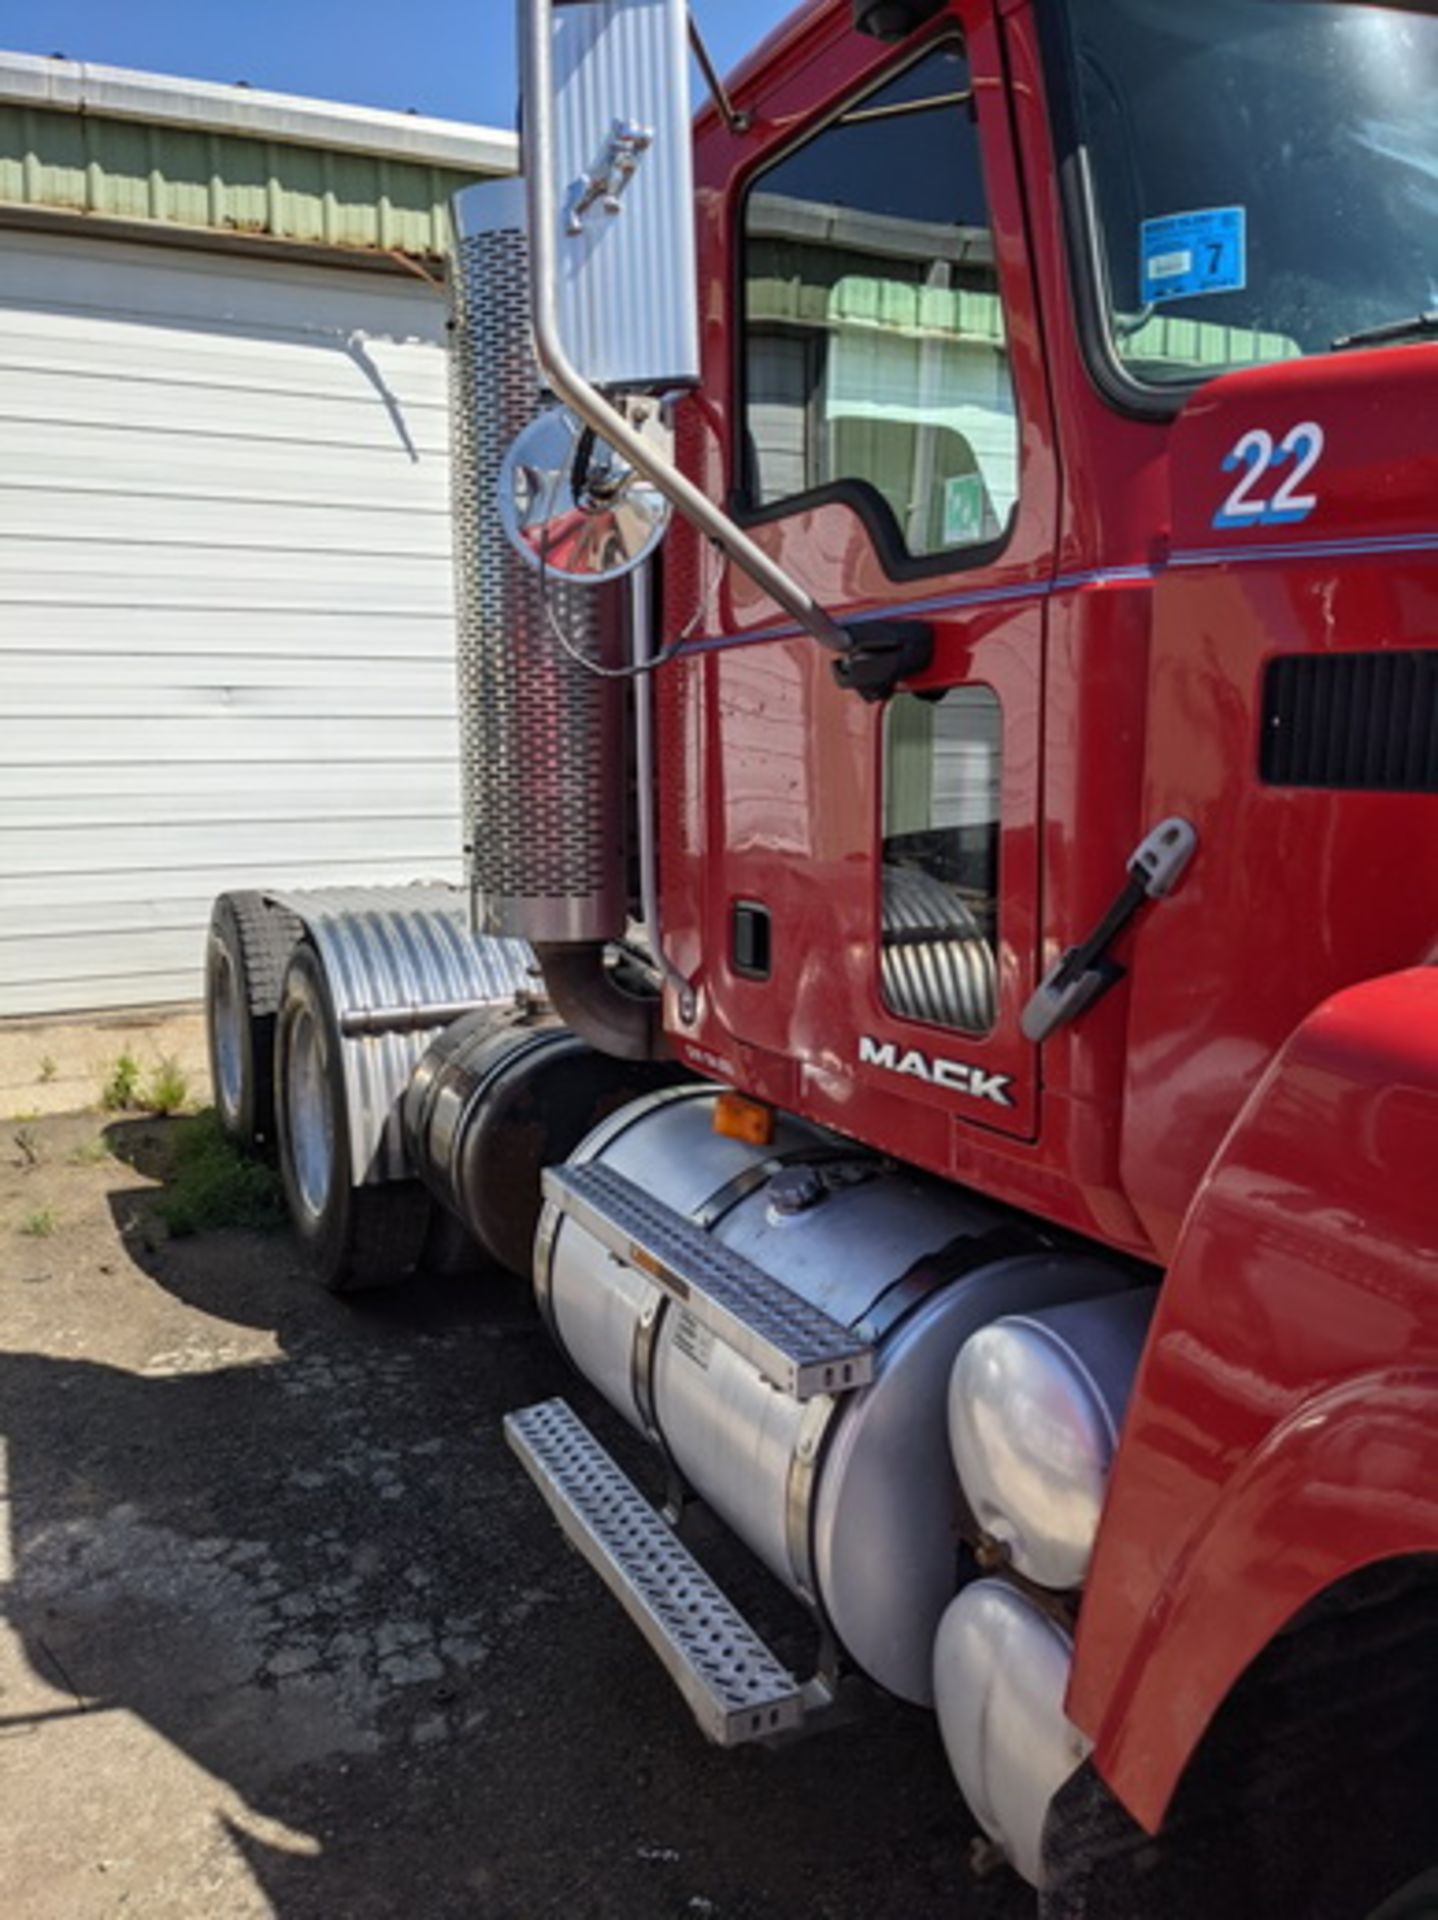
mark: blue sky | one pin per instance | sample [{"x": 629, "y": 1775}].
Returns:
[{"x": 449, "y": 57}]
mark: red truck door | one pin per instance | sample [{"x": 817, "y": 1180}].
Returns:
[{"x": 862, "y": 890}]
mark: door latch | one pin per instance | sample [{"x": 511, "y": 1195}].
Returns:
[{"x": 1088, "y": 970}]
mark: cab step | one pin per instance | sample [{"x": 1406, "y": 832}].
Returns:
[
  {"x": 736, "y": 1689},
  {"x": 797, "y": 1347}
]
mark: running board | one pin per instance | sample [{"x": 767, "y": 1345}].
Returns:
[
  {"x": 736, "y": 1689},
  {"x": 797, "y": 1347}
]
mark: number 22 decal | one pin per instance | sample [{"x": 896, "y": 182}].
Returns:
[{"x": 1256, "y": 455}]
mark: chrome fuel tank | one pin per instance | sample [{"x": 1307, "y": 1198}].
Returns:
[{"x": 850, "y": 1500}]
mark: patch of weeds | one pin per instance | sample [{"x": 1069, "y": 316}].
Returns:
[
  {"x": 121, "y": 1092},
  {"x": 40, "y": 1224},
  {"x": 48, "y": 1069},
  {"x": 25, "y": 1116},
  {"x": 167, "y": 1089},
  {"x": 214, "y": 1185},
  {"x": 92, "y": 1153},
  {"x": 28, "y": 1141}
]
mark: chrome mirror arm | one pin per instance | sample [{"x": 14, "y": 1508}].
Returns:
[{"x": 592, "y": 407}]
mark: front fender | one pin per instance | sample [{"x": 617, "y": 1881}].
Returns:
[{"x": 1284, "y": 1427}]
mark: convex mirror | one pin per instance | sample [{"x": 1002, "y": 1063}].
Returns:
[{"x": 573, "y": 507}]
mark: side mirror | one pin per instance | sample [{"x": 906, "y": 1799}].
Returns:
[
  {"x": 575, "y": 508},
  {"x": 608, "y": 152}
]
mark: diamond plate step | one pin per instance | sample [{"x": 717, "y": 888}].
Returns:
[
  {"x": 735, "y": 1687},
  {"x": 797, "y": 1347}
]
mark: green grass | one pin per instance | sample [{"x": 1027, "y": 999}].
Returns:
[
  {"x": 40, "y": 1224},
  {"x": 213, "y": 1185},
  {"x": 48, "y": 1070},
  {"x": 92, "y": 1153},
  {"x": 121, "y": 1092},
  {"x": 167, "y": 1089}
]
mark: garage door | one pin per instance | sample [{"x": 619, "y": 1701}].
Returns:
[{"x": 226, "y": 634}]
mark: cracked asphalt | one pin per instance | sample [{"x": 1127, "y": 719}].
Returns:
[{"x": 286, "y": 1631}]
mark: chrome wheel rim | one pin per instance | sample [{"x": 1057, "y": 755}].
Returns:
[
  {"x": 307, "y": 1107},
  {"x": 227, "y": 1030}
]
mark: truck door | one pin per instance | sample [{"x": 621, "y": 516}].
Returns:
[{"x": 862, "y": 891}]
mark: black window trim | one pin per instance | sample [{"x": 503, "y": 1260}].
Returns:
[{"x": 862, "y": 496}]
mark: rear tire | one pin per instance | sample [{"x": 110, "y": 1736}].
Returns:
[
  {"x": 355, "y": 1238},
  {"x": 249, "y": 946}
]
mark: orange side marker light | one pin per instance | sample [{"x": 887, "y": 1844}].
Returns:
[{"x": 739, "y": 1118}]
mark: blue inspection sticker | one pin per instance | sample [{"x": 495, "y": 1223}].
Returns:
[{"x": 1191, "y": 253}]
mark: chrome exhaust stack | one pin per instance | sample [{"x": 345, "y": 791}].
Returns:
[{"x": 544, "y": 746}]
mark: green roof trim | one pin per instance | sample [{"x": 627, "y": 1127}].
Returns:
[{"x": 83, "y": 163}]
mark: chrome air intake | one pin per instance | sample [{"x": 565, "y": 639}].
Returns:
[
  {"x": 543, "y": 742},
  {"x": 848, "y": 1497}
]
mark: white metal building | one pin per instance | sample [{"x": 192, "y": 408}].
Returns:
[{"x": 226, "y": 636}]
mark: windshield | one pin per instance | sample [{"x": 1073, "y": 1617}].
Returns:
[{"x": 1265, "y": 174}]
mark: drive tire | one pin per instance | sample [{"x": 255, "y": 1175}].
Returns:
[
  {"x": 354, "y": 1238},
  {"x": 246, "y": 954}
]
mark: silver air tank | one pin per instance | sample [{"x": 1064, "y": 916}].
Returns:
[
  {"x": 1001, "y": 1670},
  {"x": 1035, "y": 1407},
  {"x": 543, "y": 741},
  {"x": 850, "y": 1500},
  {"x": 1036, "y": 1403}
]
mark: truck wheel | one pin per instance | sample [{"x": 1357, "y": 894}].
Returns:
[
  {"x": 1311, "y": 1794},
  {"x": 249, "y": 944},
  {"x": 354, "y": 1237}
]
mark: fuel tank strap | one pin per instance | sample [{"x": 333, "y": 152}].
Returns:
[{"x": 749, "y": 1179}]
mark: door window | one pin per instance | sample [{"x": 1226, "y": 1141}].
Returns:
[
  {"x": 875, "y": 352},
  {"x": 940, "y": 860}
]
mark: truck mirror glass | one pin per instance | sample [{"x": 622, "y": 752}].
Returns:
[
  {"x": 607, "y": 148},
  {"x": 573, "y": 507}
]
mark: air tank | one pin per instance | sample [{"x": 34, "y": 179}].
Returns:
[
  {"x": 1001, "y": 1670},
  {"x": 1036, "y": 1403}
]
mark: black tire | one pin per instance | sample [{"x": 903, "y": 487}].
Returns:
[
  {"x": 246, "y": 954},
  {"x": 1311, "y": 1796},
  {"x": 354, "y": 1238}
]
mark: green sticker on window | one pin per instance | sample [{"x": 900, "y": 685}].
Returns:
[{"x": 963, "y": 510}]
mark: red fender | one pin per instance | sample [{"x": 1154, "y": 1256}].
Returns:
[{"x": 1284, "y": 1426}]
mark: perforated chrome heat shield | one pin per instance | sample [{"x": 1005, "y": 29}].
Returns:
[{"x": 543, "y": 742}]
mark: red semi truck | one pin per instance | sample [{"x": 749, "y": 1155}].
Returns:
[{"x": 1026, "y": 799}]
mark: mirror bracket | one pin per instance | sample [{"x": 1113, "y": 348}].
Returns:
[
  {"x": 881, "y": 653},
  {"x": 574, "y": 384}
]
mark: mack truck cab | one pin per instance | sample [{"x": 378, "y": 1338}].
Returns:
[{"x": 949, "y": 613}]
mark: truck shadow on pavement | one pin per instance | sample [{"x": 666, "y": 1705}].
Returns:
[{"x": 285, "y": 1533}]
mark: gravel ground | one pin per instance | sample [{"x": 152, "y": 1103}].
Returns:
[{"x": 286, "y": 1631}]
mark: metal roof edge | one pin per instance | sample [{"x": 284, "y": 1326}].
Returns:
[{"x": 120, "y": 93}]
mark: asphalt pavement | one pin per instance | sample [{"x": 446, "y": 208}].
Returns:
[{"x": 287, "y": 1632}]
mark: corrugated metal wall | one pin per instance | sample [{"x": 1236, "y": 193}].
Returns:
[
  {"x": 226, "y": 640},
  {"x": 126, "y": 170}
]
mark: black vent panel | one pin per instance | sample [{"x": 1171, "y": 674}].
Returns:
[{"x": 1356, "y": 720}]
